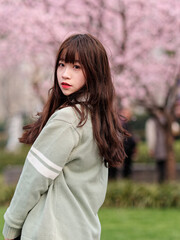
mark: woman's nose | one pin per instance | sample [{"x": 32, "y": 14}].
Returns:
[{"x": 66, "y": 73}]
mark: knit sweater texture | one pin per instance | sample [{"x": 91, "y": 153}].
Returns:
[{"x": 62, "y": 185}]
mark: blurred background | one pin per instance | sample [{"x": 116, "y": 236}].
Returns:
[{"x": 142, "y": 39}]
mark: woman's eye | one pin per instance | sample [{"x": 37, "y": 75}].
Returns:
[
  {"x": 61, "y": 64},
  {"x": 77, "y": 66}
]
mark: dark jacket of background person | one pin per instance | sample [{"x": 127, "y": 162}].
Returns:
[{"x": 130, "y": 148}]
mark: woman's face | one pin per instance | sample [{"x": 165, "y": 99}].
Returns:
[{"x": 71, "y": 77}]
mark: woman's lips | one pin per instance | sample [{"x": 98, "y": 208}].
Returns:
[{"x": 65, "y": 85}]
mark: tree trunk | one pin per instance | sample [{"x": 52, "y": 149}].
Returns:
[{"x": 171, "y": 163}]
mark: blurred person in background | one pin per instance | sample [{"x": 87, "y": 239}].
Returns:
[
  {"x": 130, "y": 144},
  {"x": 156, "y": 142}
]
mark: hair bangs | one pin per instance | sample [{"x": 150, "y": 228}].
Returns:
[{"x": 70, "y": 54}]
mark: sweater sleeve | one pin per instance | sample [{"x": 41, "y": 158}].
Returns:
[{"x": 44, "y": 162}]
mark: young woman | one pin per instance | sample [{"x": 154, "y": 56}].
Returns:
[{"x": 77, "y": 137}]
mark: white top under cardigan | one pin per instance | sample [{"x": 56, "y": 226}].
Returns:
[{"x": 62, "y": 185}]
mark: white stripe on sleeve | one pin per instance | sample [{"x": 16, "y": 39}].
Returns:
[
  {"x": 43, "y": 170},
  {"x": 45, "y": 159}
]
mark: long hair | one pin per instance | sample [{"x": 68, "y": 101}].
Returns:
[{"x": 100, "y": 98}]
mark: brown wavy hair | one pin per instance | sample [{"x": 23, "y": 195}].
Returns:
[{"x": 100, "y": 98}]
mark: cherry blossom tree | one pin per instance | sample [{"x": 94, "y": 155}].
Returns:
[
  {"x": 141, "y": 38},
  {"x": 147, "y": 66}
]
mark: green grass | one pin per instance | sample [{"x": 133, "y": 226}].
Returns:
[
  {"x": 135, "y": 224},
  {"x": 2, "y": 211},
  {"x": 139, "y": 224}
]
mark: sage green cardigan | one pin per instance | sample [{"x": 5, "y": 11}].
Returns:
[{"x": 62, "y": 185}]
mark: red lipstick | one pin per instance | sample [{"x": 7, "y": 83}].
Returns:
[{"x": 65, "y": 85}]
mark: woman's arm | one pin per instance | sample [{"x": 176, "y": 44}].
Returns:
[{"x": 43, "y": 164}]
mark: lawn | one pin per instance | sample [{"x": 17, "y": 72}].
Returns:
[
  {"x": 140, "y": 224},
  {"x": 136, "y": 224}
]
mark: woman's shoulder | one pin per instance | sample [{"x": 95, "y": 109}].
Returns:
[{"x": 66, "y": 114}]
